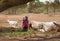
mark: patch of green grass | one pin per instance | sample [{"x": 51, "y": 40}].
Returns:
[
  {"x": 59, "y": 40},
  {"x": 17, "y": 33},
  {"x": 50, "y": 32}
]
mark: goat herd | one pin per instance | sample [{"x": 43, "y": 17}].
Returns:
[
  {"x": 40, "y": 26},
  {"x": 46, "y": 26}
]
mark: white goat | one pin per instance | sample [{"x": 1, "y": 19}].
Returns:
[
  {"x": 45, "y": 27},
  {"x": 12, "y": 23}
]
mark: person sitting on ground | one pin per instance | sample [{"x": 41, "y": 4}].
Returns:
[{"x": 25, "y": 23}]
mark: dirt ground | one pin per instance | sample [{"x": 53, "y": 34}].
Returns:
[
  {"x": 40, "y": 38},
  {"x": 37, "y": 17}
]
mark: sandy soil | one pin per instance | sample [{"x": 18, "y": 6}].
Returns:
[{"x": 38, "y": 17}]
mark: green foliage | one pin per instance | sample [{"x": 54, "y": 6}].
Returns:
[{"x": 37, "y": 7}]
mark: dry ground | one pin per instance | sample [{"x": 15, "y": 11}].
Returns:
[
  {"x": 39, "y": 38},
  {"x": 38, "y": 17}
]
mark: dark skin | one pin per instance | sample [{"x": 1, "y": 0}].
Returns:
[{"x": 5, "y": 4}]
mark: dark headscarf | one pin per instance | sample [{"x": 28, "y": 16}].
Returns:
[{"x": 26, "y": 17}]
